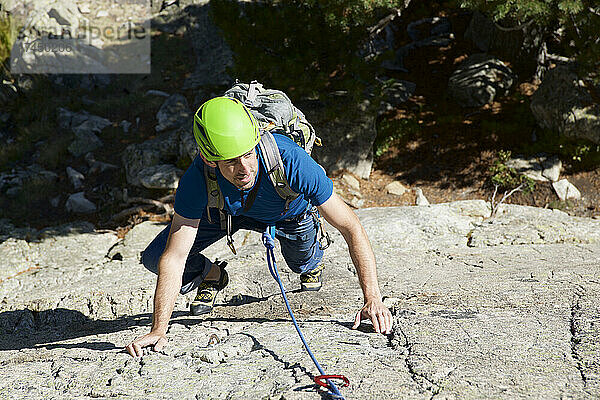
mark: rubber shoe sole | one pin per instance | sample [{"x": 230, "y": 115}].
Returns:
[
  {"x": 312, "y": 281},
  {"x": 204, "y": 301},
  {"x": 206, "y": 296}
]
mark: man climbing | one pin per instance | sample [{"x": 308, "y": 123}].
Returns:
[{"x": 228, "y": 136}]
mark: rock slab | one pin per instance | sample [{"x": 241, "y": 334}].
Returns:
[{"x": 477, "y": 314}]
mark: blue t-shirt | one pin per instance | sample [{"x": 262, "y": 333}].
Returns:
[{"x": 304, "y": 175}]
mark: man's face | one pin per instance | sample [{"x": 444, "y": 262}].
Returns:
[{"x": 240, "y": 171}]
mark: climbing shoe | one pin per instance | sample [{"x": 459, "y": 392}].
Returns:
[
  {"x": 205, "y": 298},
  {"x": 312, "y": 281}
]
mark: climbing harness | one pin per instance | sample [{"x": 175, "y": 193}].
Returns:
[{"x": 269, "y": 242}]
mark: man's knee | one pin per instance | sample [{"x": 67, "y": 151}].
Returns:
[
  {"x": 149, "y": 261},
  {"x": 150, "y": 256}
]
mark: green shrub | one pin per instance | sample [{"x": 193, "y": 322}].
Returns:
[{"x": 507, "y": 178}]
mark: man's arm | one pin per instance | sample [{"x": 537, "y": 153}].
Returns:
[
  {"x": 338, "y": 214},
  {"x": 170, "y": 272}
]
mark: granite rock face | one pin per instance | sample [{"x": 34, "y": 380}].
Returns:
[{"x": 503, "y": 309}]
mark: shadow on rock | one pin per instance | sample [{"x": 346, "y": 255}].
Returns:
[{"x": 20, "y": 329}]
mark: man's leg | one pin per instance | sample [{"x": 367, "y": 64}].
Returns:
[
  {"x": 301, "y": 250},
  {"x": 197, "y": 266}
]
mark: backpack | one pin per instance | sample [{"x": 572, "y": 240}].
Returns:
[{"x": 275, "y": 113}]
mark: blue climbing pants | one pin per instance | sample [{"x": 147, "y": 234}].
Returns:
[{"x": 297, "y": 236}]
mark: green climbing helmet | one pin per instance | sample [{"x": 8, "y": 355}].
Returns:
[{"x": 224, "y": 128}]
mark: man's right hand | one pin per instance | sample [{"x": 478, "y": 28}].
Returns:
[{"x": 157, "y": 340}]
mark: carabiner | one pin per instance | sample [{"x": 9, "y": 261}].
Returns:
[{"x": 320, "y": 378}]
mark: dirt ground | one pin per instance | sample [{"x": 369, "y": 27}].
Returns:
[{"x": 450, "y": 156}]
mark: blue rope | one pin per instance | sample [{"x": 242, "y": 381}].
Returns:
[{"x": 269, "y": 243}]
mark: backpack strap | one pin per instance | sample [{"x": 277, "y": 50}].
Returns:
[
  {"x": 215, "y": 200},
  {"x": 275, "y": 169}
]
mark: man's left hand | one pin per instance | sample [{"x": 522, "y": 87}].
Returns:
[{"x": 379, "y": 315}]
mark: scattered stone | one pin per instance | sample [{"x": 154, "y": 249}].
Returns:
[
  {"x": 125, "y": 125},
  {"x": 396, "y": 94},
  {"x": 11, "y": 182},
  {"x": 97, "y": 166},
  {"x": 173, "y": 114},
  {"x": 84, "y": 8},
  {"x": 85, "y": 126},
  {"x": 421, "y": 200},
  {"x": 540, "y": 167},
  {"x": 77, "y": 203},
  {"x": 396, "y": 188},
  {"x": 479, "y": 79},
  {"x": 566, "y": 190},
  {"x": 101, "y": 14},
  {"x": 75, "y": 177},
  {"x": 355, "y": 202},
  {"x": 351, "y": 181},
  {"x": 55, "y": 201},
  {"x": 551, "y": 168},
  {"x": 159, "y": 150},
  {"x": 573, "y": 113},
  {"x": 160, "y": 93},
  {"x": 85, "y": 142},
  {"x": 163, "y": 176}
]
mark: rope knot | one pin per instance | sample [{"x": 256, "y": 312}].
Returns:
[{"x": 268, "y": 240}]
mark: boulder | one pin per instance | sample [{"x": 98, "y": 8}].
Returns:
[
  {"x": 573, "y": 113},
  {"x": 565, "y": 190},
  {"x": 174, "y": 113},
  {"x": 75, "y": 177},
  {"x": 53, "y": 41},
  {"x": 427, "y": 32},
  {"x": 479, "y": 79},
  {"x": 396, "y": 188},
  {"x": 540, "y": 167},
  {"x": 348, "y": 132},
  {"x": 164, "y": 176},
  {"x": 159, "y": 150},
  {"x": 85, "y": 141},
  {"x": 77, "y": 203}
]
